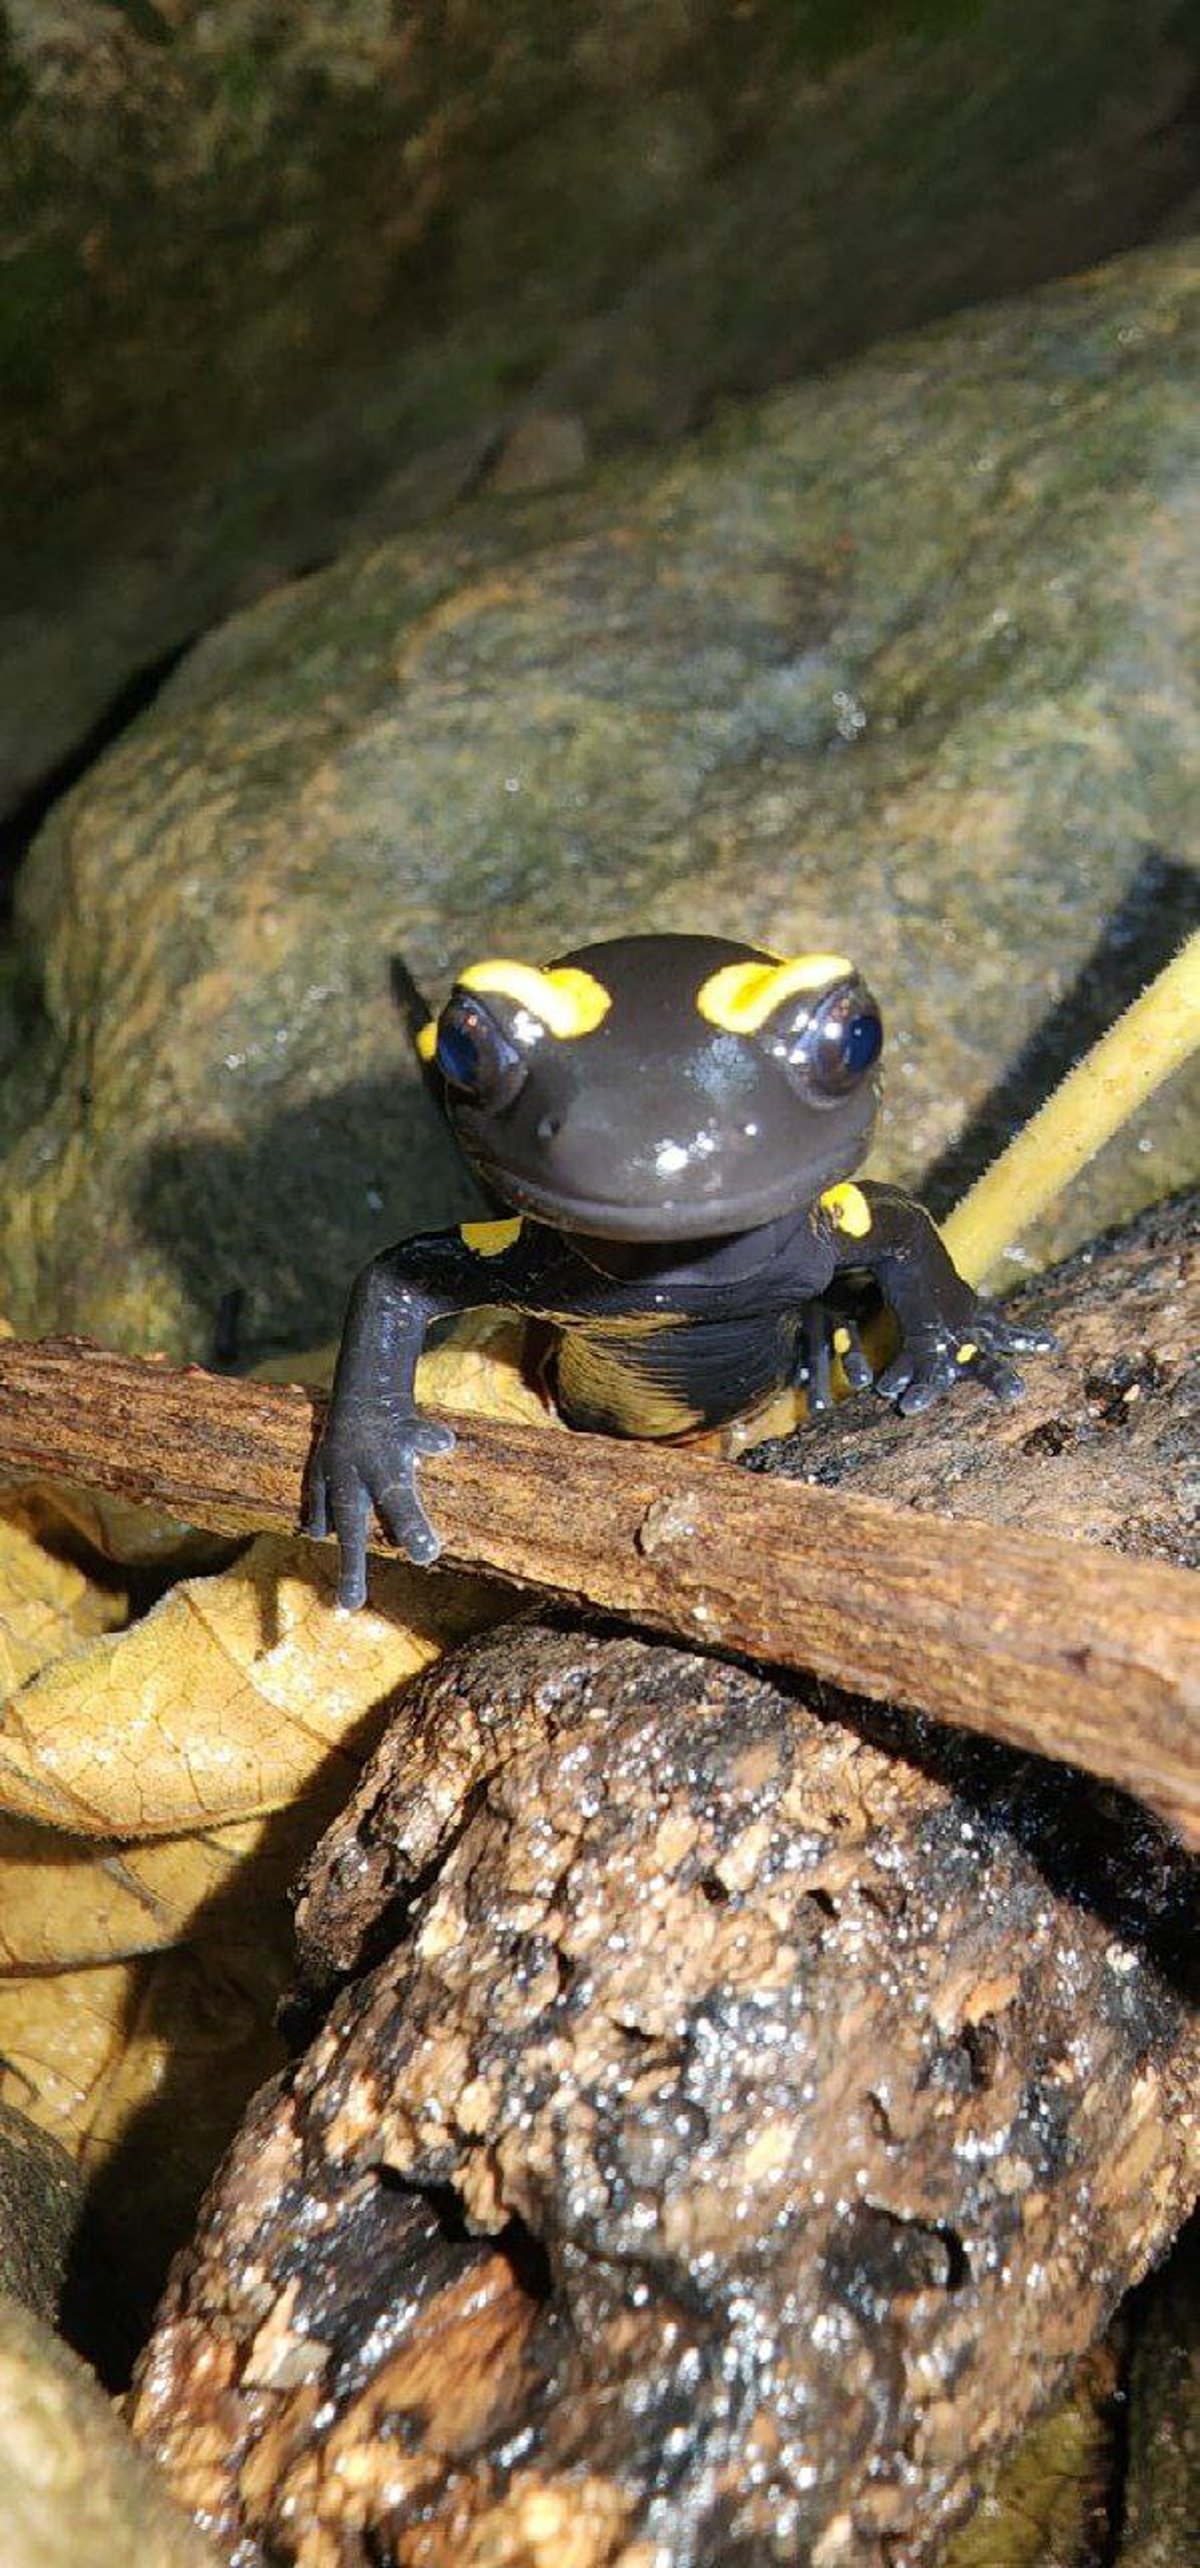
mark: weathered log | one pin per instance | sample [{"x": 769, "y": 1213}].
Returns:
[
  {"x": 750, "y": 2106},
  {"x": 1048, "y": 1643}
]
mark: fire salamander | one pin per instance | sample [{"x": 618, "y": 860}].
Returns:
[{"x": 675, "y": 1122}]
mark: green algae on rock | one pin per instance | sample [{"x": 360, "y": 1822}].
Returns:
[{"x": 897, "y": 663}]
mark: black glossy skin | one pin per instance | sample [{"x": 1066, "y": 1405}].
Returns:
[{"x": 669, "y": 1173}]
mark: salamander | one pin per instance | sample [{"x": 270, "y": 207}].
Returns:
[{"x": 671, "y": 1126}]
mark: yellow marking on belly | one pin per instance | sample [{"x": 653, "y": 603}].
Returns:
[
  {"x": 490, "y": 1239},
  {"x": 848, "y": 1210},
  {"x": 568, "y": 1001},
  {"x": 741, "y": 996},
  {"x": 602, "y": 1381}
]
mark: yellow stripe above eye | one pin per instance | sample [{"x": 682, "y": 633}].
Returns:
[
  {"x": 568, "y": 1001},
  {"x": 741, "y": 996}
]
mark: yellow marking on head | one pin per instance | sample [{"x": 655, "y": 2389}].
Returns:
[
  {"x": 568, "y": 1001},
  {"x": 426, "y": 1040},
  {"x": 490, "y": 1239},
  {"x": 741, "y": 996},
  {"x": 848, "y": 1210},
  {"x": 841, "y": 1341},
  {"x": 965, "y": 1353}
]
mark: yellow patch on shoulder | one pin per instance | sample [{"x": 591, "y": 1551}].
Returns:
[
  {"x": 741, "y": 996},
  {"x": 568, "y": 1001},
  {"x": 848, "y": 1210},
  {"x": 967, "y": 1352},
  {"x": 426, "y": 1040},
  {"x": 490, "y": 1239},
  {"x": 841, "y": 1341}
]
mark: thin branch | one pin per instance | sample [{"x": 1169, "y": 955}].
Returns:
[{"x": 1063, "y": 1648}]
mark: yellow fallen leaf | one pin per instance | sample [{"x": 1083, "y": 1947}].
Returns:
[
  {"x": 230, "y": 1695},
  {"x": 57, "y": 2037},
  {"x": 197, "y": 2037},
  {"x": 142, "y": 2071},
  {"x": 478, "y": 1365},
  {"x": 62, "y": 1513},
  {"x": 223, "y": 1731},
  {"x": 69, "y": 1902},
  {"x": 46, "y": 1605},
  {"x": 201, "y": 2021}
]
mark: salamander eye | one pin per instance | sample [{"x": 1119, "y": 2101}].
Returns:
[
  {"x": 475, "y": 1055},
  {"x": 828, "y": 1044},
  {"x": 844, "y": 1039}
]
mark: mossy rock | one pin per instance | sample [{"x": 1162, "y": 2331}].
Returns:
[
  {"x": 269, "y": 276},
  {"x": 900, "y": 663}
]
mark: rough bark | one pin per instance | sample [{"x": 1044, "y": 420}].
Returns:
[
  {"x": 743, "y": 2119},
  {"x": 1045, "y": 1642}
]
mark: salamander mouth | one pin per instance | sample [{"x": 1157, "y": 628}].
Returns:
[{"x": 670, "y": 1218}]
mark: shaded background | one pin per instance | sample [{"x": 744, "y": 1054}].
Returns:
[{"x": 273, "y": 277}]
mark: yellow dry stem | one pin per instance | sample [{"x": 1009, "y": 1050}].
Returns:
[{"x": 1154, "y": 1037}]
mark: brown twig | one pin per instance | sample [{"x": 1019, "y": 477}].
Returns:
[{"x": 1060, "y": 1647}]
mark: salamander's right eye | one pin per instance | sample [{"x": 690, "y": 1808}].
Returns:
[{"x": 475, "y": 1055}]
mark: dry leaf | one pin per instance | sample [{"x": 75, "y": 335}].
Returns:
[
  {"x": 47, "y": 1605},
  {"x": 58, "y": 2035},
  {"x": 477, "y": 1365},
  {"x": 84, "y": 2053},
  {"x": 70, "y": 1902},
  {"x": 202, "y": 2022},
  {"x": 228, "y": 1698},
  {"x": 1046, "y": 2504},
  {"x": 62, "y": 1514},
  {"x": 142, "y": 2071},
  {"x": 224, "y": 1731},
  {"x": 480, "y": 1367},
  {"x": 198, "y": 2035}
]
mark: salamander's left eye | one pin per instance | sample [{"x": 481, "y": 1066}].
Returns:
[
  {"x": 845, "y": 1038},
  {"x": 475, "y": 1055},
  {"x": 830, "y": 1045}
]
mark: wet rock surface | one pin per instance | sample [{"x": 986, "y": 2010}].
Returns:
[
  {"x": 273, "y": 277},
  {"x": 900, "y": 663},
  {"x": 744, "y": 2110}
]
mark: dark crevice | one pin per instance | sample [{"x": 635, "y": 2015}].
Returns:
[
  {"x": 19, "y": 826},
  {"x": 981, "y": 2043},
  {"x": 713, "y": 1889},
  {"x": 442, "y": 2201},
  {"x": 880, "y": 2257},
  {"x": 522, "y": 2251}
]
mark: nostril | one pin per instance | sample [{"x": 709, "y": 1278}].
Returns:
[{"x": 549, "y": 1127}]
